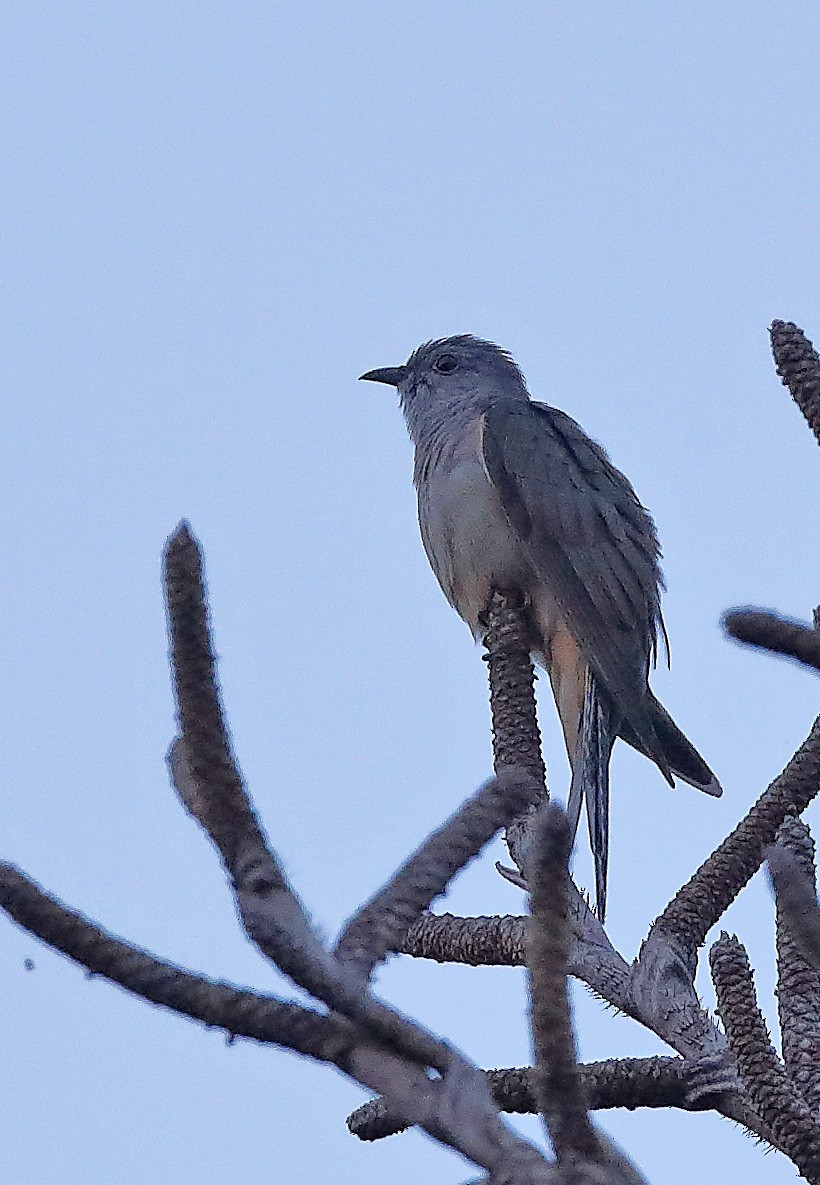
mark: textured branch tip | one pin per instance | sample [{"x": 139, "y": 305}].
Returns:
[
  {"x": 770, "y": 631},
  {"x": 182, "y": 536},
  {"x": 798, "y": 365},
  {"x": 202, "y": 763},
  {"x": 792, "y": 873},
  {"x": 767, "y": 1084},
  {"x": 796, "y": 899},
  {"x": 192, "y": 657}
]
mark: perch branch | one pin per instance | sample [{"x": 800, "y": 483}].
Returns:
[
  {"x": 516, "y": 735},
  {"x": 517, "y": 741}
]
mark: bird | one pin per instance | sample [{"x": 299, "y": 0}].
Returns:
[{"x": 514, "y": 497}]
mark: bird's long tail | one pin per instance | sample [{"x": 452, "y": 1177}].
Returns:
[
  {"x": 677, "y": 752},
  {"x": 590, "y": 782}
]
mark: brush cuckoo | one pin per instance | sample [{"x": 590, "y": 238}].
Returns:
[{"x": 513, "y": 496}]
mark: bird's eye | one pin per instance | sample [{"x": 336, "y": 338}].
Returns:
[{"x": 446, "y": 363}]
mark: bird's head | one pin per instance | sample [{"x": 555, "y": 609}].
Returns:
[{"x": 451, "y": 374}]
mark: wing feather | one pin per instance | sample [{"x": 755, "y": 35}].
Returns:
[{"x": 587, "y": 534}]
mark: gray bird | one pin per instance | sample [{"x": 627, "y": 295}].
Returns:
[{"x": 514, "y": 496}]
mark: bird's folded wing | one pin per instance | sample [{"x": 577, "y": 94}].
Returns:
[{"x": 588, "y": 536}]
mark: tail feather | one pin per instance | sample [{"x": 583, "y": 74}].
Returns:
[
  {"x": 590, "y": 783},
  {"x": 679, "y": 753}
]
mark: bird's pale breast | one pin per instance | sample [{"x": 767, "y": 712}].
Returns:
[{"x": 466, "y": 535}]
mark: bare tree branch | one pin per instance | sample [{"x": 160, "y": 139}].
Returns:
[
  {"x": 657, "y": 990},
  {"x": 270, "y": 911},
  {"x": 557, "y": 1082},
  {"x": 584, "y": 1154},
  {"x": 618, "y": 1082},
  {"x": 798, "y": 981},
  {"x": 517, "y": 741},
  {"x": 245, "y": 1014},
  {"x": 516, "y": 735},
  {"x": 498, "y": 941},
  {"x": 662, "y": 977},
  {"x": 379, "y": 927},
  {"x": 761, "y": 1072},
  {"x": 796, "y": 899},
  {"x": 799, "y": 367},
  {"x": 261, "y": 1018},
  {"x": 770, "y": 631},
  {"x": 707, "y": 895},
  {"x": 456, "y": 1108},
  {"x": 220, "y": 803},
  {"x": 239, "y": 1012}
]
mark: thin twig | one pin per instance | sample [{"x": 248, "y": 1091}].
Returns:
[
  {"x": 379, "y": 926},
  {"x": 771, "y": 631},
  {"x": 794, "y": 1129},
  {"x": 799, "y": 367}
]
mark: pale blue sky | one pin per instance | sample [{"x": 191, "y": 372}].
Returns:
[{"x": 214, "y": 217}]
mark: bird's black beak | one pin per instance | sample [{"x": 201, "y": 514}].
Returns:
[{"x": 392, "y": 375}]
